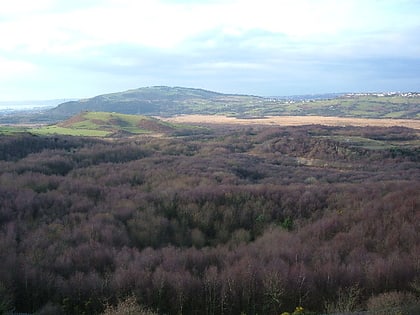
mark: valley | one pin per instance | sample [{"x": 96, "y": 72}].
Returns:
[{"x": 210, "y": 214}]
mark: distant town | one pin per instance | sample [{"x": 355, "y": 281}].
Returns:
[{"x": 404, "y": 94}]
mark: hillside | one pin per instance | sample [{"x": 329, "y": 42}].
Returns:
[
  {"x": 171, "y": 101},
  {"x": 105, "y": 124},
  {"x": 158, "y": 100}
]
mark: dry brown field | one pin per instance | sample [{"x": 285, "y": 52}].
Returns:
[{"x": 294, "y": 121}]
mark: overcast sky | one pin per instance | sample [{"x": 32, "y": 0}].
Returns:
[{"x": 82, "y": 48}]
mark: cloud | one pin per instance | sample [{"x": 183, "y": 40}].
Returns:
[
  {"x": 10, "y": 68},
  {"x": 236, "y": 44},
  {"x": 152, "y": 23}
]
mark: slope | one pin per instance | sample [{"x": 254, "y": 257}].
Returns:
[
  {"x": 170, "y": 101},
  {"x": 157, "y": 100},
  {"x": 101, "y": 124}
]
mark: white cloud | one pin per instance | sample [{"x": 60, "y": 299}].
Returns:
[
  {"x": 217, "y": 66},
  {"x": 167, "y": 25},
  {"x": 165, "y": 37},
  {"x": 14, "y": 68},
  {"x": 23, "y": 7}
]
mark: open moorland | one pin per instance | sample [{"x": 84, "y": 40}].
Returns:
[{"x": 294, "y": 121}]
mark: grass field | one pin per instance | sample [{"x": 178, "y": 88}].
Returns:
[
  {"x": 82, "y": 132},
  {"x": 102, "y": 124},
  {"x": 10, "y": 130},
  {"x": 295, "y": 121}
]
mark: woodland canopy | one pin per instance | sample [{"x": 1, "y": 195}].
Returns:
[{"x": 237, "y": 220}]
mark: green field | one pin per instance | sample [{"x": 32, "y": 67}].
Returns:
[
  {"x": 54, "y": 129},
  {"x": 366, "y": 106},
  {"x": 10, "y": 130},
  {"x": 104, "y": 124}
]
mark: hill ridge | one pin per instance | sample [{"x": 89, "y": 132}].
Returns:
[
  {"x": 168, "y": 101},
  {"x": 107, "y": 124}
]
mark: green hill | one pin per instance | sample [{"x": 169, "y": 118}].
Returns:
[
  {"x": 370, "y": 105},
  {"x": 170, "y": 101},
  {"x": 159, "y": 100},
  {"x": 105, "y": 124}
]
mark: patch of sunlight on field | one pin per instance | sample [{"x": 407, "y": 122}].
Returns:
[{"x": 51, "y": 130}]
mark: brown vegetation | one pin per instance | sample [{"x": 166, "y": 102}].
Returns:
[
  {"x": 296, "y": 121},
  {"x": 254, "y": 220}
]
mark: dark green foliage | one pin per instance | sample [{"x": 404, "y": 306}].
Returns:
[
  {"x": 255, "y": 221},
  {"x": 287, "y": 223}
]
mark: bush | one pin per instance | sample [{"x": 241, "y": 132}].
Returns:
[
  {"x": 392, "y": 303},
  {"x": 347, "y": 300},
  {"x": 128, "y": 306},
  {"x": 6, "y": 300},
  {"x": 49, "y": 309}
]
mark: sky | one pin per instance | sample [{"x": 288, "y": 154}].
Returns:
[{"x": 60, "y": 49}]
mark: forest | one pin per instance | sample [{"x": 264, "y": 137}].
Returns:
[{"x": 235, "y": 220}]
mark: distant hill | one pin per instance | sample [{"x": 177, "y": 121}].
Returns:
[
  {"x": 106, "y": 124},
  {"x": 170, "y": 101},
  {"x": 158, "y": 100}
]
